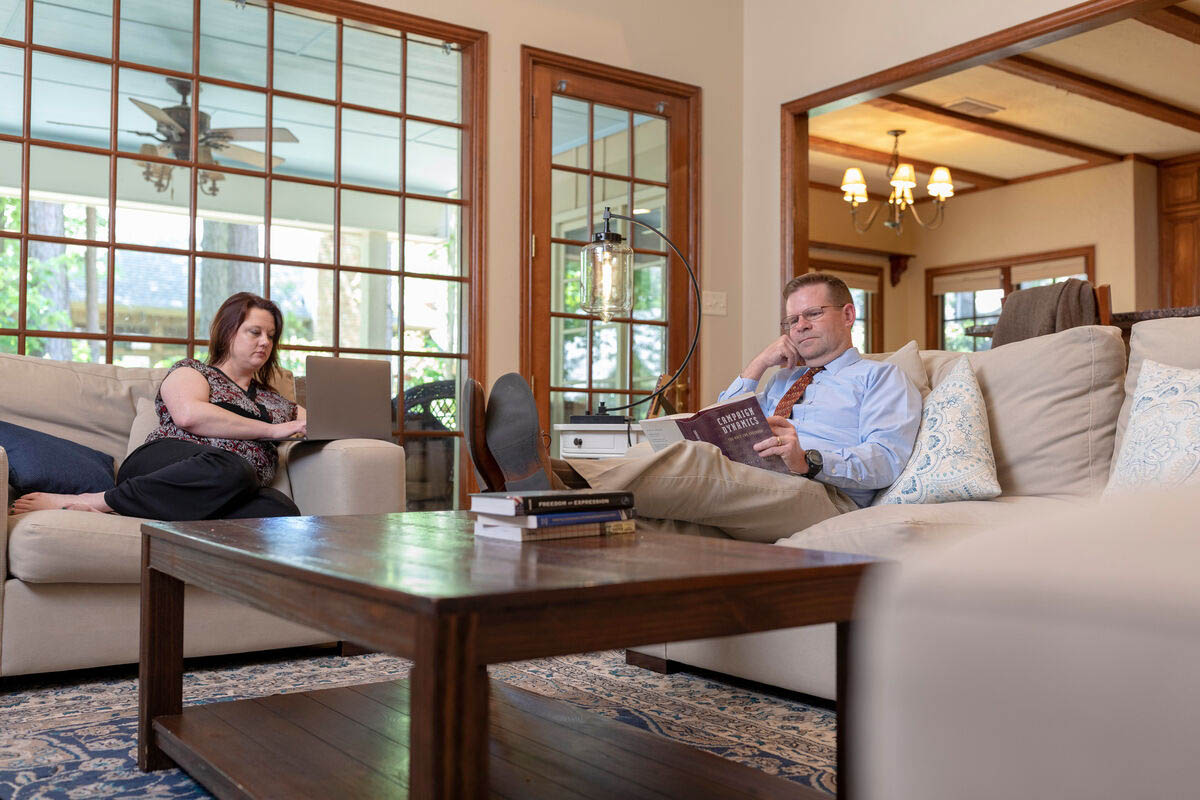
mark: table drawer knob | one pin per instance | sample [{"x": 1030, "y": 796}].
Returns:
[{"x": 578, "y": 442}]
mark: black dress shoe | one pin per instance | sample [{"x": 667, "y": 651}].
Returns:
[
  {"x": 487, "y": 471},
  {"x": 514, "y": 436}
]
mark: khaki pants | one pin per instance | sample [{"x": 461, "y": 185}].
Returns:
[{"x": 694, "y": 482}]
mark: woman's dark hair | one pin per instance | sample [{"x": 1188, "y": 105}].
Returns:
[{"x": 229, "y": 318}]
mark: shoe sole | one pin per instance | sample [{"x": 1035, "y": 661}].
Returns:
[{"x": 513, "y": 434}]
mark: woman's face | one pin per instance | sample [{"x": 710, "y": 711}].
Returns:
[{"x": 251, "y": 345}]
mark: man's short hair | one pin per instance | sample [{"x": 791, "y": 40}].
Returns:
[{"x": 839, "y": 293}]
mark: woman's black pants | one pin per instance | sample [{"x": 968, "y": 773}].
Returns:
[{"x": 174, "y": 480}]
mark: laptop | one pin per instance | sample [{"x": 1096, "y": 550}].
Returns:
[{"x": 346, "y": 398}]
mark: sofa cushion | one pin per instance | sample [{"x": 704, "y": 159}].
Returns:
[
  {"x": 144, "y": 423},
  {"x": 1167, "y": 341},
  {"x": 1052, "y": 404},
  {"x": 892, "y": 531},
  {"x": 952, "y": 459},
  {"x": 1161, "y": 447},
  {"x": 39, "y": 462},
  {"x": 74, "y": 547}
]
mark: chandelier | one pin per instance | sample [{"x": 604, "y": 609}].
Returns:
[{"x": 903, "y": 177}]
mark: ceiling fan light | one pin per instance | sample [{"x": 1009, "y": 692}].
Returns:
[
  {"x": 854, "y": 185},
  {"x": 905, "y": 177},
  {"x": 940, "y": 184}
]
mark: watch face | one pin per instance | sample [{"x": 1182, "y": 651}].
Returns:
[{"x": 814, "y": 460}]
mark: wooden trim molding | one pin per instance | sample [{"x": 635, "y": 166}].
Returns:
[
  {"x": 822, "y": 145},
  {"x": 1175, "y": 21}
]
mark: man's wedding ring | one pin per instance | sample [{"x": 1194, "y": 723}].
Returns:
[{"x": 778, "y": 442}]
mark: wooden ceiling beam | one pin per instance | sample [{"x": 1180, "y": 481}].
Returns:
[
  {"x": 919, "y": 109},
  {"x": 1084, "y": 86},
  {"x": 879, "y": 157},
  {"x": 1175, "y": 21}
]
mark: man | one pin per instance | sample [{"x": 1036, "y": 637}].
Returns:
[{"x": 844, "y": 425}]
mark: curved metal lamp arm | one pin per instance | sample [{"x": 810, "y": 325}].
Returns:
[
  {"x": 870, "y": 219},
  {"x": 695, "y": 292},
  {"x": 938, "y": 215}
]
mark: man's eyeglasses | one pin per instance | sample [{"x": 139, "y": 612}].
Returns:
[{"x": 810, "y": 315}]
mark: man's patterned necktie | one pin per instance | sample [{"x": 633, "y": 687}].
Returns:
[{"x": 793, "y": 395}]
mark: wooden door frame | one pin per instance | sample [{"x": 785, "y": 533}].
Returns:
[
  {"x": 1001, "y": 44},
  {"x": 689, "y": 95}
]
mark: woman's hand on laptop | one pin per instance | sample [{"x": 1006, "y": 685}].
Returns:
[{"x": 289, "y": 430}]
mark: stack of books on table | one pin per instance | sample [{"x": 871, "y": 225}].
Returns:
[{"x": 552, "y": 514}]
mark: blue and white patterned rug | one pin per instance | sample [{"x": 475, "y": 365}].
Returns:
[{"x": 78, "y": 739}]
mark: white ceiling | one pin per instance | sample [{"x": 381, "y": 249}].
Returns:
[{"x": 1129, "y": 55}]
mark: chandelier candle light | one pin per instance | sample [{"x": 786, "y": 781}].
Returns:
[
  {"x": 606, "y": 281},
  {"x": 903, "y": 177}
]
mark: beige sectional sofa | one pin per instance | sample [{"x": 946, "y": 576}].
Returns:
[
  {"x": 69, "y": 595},
  {"x": 1057, "y": 406}
]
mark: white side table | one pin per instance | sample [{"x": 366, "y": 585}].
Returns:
[{"x": 597, "y": 440}]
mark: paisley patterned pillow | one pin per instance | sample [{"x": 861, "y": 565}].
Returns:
[
  {"x": 953, "y": 457},
  {"x": 1161, "y": 448}
]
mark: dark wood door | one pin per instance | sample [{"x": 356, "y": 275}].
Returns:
[{"x": 1179, "y": 231}]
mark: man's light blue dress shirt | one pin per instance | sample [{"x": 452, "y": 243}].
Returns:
[{"x": 860, "y": 415}]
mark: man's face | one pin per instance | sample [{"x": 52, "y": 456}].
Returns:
[{"x": 823, "y": 339}]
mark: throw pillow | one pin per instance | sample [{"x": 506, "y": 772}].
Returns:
[
  {"x": 144, "y": 423},
  {"x": 39, "y": 462},
  {"x": 908, "y": 359},
  {"x": 952, "y": 459},
  {"x": 1161, "y": 448}
]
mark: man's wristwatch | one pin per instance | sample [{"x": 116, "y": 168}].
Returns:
[{"x": 814, "y": 461}]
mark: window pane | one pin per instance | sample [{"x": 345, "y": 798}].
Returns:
[
  {"x": 138, "y": 126},
  {"x": 85, "y": 350},
  {"x": 301, "y": 222},
  {"x": 81, "y": 25},
  {"x": 147, "y": 354},
  {"x": 649, "y": 148},
  {"x": 10, "y": 186},
  {"x": 431, "y": 159},
  {"x": 371, "y": 149},
  {"x": 434, "y": 79},
  {"x": 305, "y": 296},
  {"x": 649, "y": 355},
  {"x": 430, "y": 472},
  {"x": 564, "y": 278},
  {"x": 216, "y": 280},
  {"x": 432, "y": 315},
  {"x": 8, "y": 344},
  {"x": 988, "y": 301},
  {"x": 10, "y": 276},
  {"x": 614, "y": 194},
  {"x": 305, "y": 55},
  {"x": 568, "y": 206},
  {"x": 571, "y": 367},
  {"x": 12, "y": 26},
  {"x": 650, "y": 208},
  {"x": 68, "y": 194},
  {"x": 569, "y": 137},
  {"x": 367, "y": 310},
  {"x": 858, "y": 336},
  {"x": 150, "y": 294},
  {"x": 610, "y": 355},
  {"x": 12, "y": 83},
  {"x": 231, "y": 221},
  {"x": 311, "y": 124},
  {"x": 68, "y": 288},
  {"x": 432, "y": 232},
  {"x": 419, "y": 373},
  {"x": 236, "y": 127},
  {"x": 649, "y": 287},
  {"x": 371, "y": 68},
  {"x": 233, "y": 41},
  {"x": 370, "y": 230},
  {"x": 148, "y": 215},
  {"x": 610, "y": 139},
  {"x": 953, "y": 337},
  {"x": 157, "y": 32},
  {"x": 70, "y": 100}
]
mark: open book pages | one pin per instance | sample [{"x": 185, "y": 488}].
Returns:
[{"x": 734, "y": 426}]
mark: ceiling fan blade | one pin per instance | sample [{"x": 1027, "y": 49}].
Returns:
[
  {"x": 247, "y": 156},
  {"x": 77, "y": 125},
  {"x": 251, "y": 134},
  {"x": 158, "y": 115}
]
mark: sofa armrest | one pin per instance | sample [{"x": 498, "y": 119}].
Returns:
[
  {"x": 347, "y": 476},
  {"x": 4, "y": 501}
]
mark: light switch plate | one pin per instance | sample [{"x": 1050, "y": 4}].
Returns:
[{"x": 713, "y": 303}]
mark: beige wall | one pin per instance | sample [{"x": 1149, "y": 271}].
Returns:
[
  {"x": 796, "y": 48},
  {"x": 693, "y": 42}
]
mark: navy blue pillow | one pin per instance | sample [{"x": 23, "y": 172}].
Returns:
[{"x": 39, "y": 462}]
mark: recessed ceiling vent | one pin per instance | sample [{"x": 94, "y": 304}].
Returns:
[{"x": 969, "y": 105}]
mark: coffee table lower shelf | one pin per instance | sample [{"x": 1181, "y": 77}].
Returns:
[{"x": 353, "y": 742}]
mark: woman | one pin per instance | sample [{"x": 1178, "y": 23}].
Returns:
[{"x": 206, "y": 459}]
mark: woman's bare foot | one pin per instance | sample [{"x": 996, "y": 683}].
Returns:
[{"x": 43, "y": 501}]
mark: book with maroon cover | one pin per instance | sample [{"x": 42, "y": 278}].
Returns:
[{"x": 734, "y": 426}]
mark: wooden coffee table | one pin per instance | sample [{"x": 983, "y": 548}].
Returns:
[{"x": 420, "y": 585}]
